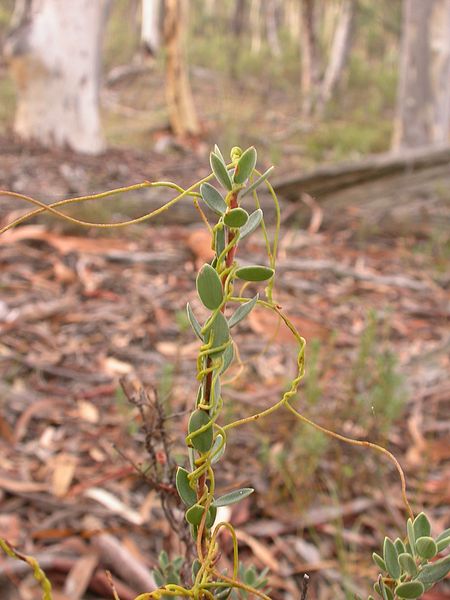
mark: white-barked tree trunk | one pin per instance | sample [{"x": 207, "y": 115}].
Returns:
[
  {"x": 423, "y": 104},
  {"x": 54, "y": 54}
]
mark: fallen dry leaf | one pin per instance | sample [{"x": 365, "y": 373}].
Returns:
[{"x": 63, "y": 471}]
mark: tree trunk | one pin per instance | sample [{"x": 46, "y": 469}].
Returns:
[
  {"x": 339, "y": 52},
  {"x": 309, "y": 55},
  {"x": 54, "y": 56},
  {"x": 272, "y": 27},
  {"x": 292, "y": 19},
  {"x": 180, "y": 103},
  {"x": 423, "y": 105},
  {"x": 151, "y": 26},
  {"x": 255, "y": 26}
]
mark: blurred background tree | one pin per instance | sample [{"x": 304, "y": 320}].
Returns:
[
  {"x": 318, "y": 64},
  {"x": 54, "y": 55}
]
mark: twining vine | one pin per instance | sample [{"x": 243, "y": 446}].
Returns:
[{"x": 406, "y": 568}]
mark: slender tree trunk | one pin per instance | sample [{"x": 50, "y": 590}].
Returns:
[
  {"x": 255, "y": 26},
  {"x": 272, "y": 27},
  {"x": 180, "y": 103},
  {"x": 310, "y": 56},
  {"x": 292, "y": 19},
  {"x": 423, "y": 105},
  {"x": 54, "y": 53},
  {"x": 340, "y": 48},
  {"x": 151, "y": 26}
]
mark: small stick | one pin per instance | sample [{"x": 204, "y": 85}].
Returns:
[{"x": 304, "y": 589}]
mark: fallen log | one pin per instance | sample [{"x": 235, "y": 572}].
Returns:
[{"x": 329, "y": 179}]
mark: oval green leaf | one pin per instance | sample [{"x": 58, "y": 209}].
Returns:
[
  {"x": 391, "y": 558},
  {"x": 256, "y": 183},
  {"x": 410, "y": 590},
  {"x": 411, "y": 536},
  {"x": 379, "y": 561},
  {"x": 399, "y": 546},
  {"x": 220, "y": 171},
  {"x": 209, "y": 287},
  {"x": 193, "y": 321},
  {"x": 220, "y": 333},
  {"x": 220, "y": 240},
  {"x": 203, "y": 439},
  {"x": 408, "y": 564},
  {"x": 186, "y": 493},
  {"x": 233, "y": 497},
  {"x": 254, "y": 273},
  {"x": 434, "y": 572},
  {"x": 253, "y": 221},
  {"x": 444, "y": 535},
  {"x": 245, "y": 165},
  {"x": 211, "y": 516},
  {"x": 218, "y": 449},
  {"x": 194, "y": 514},
  {"x": 213, "y": 198},
  {"x": 422, "y": 527},
  {"x": 426, "y": 547},
  {"x": 219, "y": 153},
  {"x": 236, "y": 217},
  {"x": 242, "y": 311},
  {"x": 228, "y": 356},
  {"x": 443, "y": 543}
]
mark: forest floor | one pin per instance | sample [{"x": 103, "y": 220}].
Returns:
[{"x": 80, "y": 310}]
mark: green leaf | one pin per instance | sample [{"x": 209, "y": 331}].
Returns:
[
  {"x": 245, "y": 165},
  {"x": 236, "y": 217},
  {"x": 408, "y": 564},
  {"x": 186, "y": 493},
  {"x": 193, "y": 321},
  {"x": 434, "y": 572},
  {"x": 163, "y": 559},
  {"x": 410, "y": 590},
  {"x": 195, "y": 568},
  {"x": 220, "y": 332},
  {"x": 215, "y": 452},
  {"x": 233, "y": 497},
  {"x": 422, "y": 527},
  {"x": 254, "y": 273},
  {"x": 228, "y": 356},
  {"x": 194, "y": 531},
  {"x": 220, "y": 240},
  {"x": 379, "y": 561},
  {"x": 426, "y": 547},
  {"x": 256, "y": 183},
  {"x": 178, "y": 562},
  {"x": 202, "y": 441},
  {"x": 219, "y": 153},
  {"x": 224, "y": 593},
  {"x": 211, "y": 516},
  {"x": 220, "y": 171},
  {"x": 213, "y": 198},
  {"x": 158, "y": 577},
  {"x": 388, "y": 593},
  {"x": 391, "y": 559},
  {"x": 443, "y": 543},
  {"x": 383, "y": 590},
  {"x": 209, "y": 287},
  {"x": 242, "y": 311},
  {"x": 399, "y": 546},
  {"x": 253, "y": 221},
  {"x": 217, "y": 390},
  {"x": 411, "y": 536},
  {"x": 443, "y": 536},
  {"x": 194, "y": 514}
]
